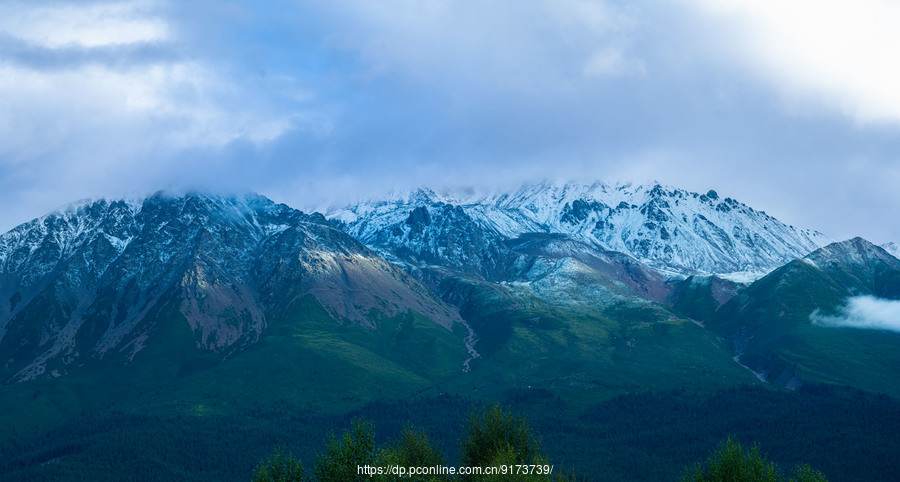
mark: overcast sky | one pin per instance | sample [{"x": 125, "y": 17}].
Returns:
[{"x": 792, "y": 107}]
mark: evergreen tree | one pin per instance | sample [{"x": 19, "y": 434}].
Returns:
[
  {"x": 497, "y": 438},
  {"x": 732, "y": 463},
  {"x": 339, "y": 461},
  {"x": 412, "y": 450},
  {"x": 280, "y": 467}
]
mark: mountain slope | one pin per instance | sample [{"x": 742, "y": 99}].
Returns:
[
  {"x": 773, "y": 323},
  {"x": 536, "y": 263},
  {"x": 573, "y": 331},
  {"x": 551, "y": 276},
  {"x": 198, "y": 276},
  {"x": 550, "y": 311}
]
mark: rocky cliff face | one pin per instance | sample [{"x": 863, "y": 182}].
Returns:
[{"x": 104, "y": 279}]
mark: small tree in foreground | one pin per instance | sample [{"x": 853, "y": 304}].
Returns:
[
  {"x": 412, "y": 450},
  {"x": 497, "y": 438},
  {"x": 495, "y": 433},
  {"x": 342, "y": 456},
  {"x": 731, "y": 463},
  {"x": 280, "y": 467}
]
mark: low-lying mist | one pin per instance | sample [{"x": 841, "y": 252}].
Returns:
[{"x": 863, "y": 312}]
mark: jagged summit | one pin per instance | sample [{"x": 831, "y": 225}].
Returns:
[
  {"x": 107, "y": 226},
  {"x": 670, "y": 229},
  {"x": 852, "y": 255}
]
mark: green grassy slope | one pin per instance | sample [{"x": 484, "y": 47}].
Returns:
[
  {"x": 305, "y": 360},
  {"x": 770, "y": 324},
  {"x": 528, "y": 343},
  {"x": 309, "y": 360}
]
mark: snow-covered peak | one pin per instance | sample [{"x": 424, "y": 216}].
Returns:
[
  {"x": 857, "y": 251},
  {"x": 665, "y": 227},
  {"x": 38, "y": 244},
  {"x": 99, "y": 230},
  {"x": 892, "y": 248}
]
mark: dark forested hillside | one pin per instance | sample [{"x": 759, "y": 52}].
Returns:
[{"x": 847, "y": 434}]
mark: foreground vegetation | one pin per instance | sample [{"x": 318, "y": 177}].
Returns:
[
  {"x": 732, "y": 463},
  {"x": 847, "y": 434},
  {"x": 494, "y": 439}
]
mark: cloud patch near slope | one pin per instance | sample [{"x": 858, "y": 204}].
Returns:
[{"x": 868, "y": 312}]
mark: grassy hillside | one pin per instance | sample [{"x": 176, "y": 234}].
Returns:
[
  {"x": 528, "y": 343},
  {"x": 305, "y": 359},
  {"x": 770, "y": 325}
]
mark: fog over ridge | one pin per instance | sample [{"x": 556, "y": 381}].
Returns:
[{"x": 865, "y": 311}]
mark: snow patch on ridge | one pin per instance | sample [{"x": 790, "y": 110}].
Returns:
[
  {"x": 669, "y": 229},
  {"x": 892, "y": 248},
  {"x": 744, "y": 277}
]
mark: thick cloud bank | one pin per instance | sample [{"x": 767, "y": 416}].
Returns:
[
  {"x": 864, "y": 312},
  {"x": 323, "y": 103}
]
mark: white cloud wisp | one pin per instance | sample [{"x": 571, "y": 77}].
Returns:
[{"x": 867, "y": 312}]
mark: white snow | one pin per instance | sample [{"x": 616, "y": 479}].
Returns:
[
  {"x": 744, "y": 277},
  {"x": 667, "y": 228},
  {"x": 892, "y": 248}
]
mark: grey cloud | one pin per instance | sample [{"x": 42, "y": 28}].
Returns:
[
  {"x": 29, "y": 55},
  {"x": 371, "y": 96}
]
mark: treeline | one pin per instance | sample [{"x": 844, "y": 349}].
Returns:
[
  {"x": 731, "y": 462},
  {"x": 495, "y": 441},
  {"x": 212, "y": 447},
  {"x": 847, "y": 434}
]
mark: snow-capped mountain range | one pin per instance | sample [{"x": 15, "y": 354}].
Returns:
[
  {"x": 106, "y": 278},
  {"x": 672, "y": 230}
]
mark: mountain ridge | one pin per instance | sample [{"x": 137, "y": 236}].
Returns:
[
  {"x": 96, "y": 279},
  {"x": 83, "y": 281},
  {"x": 770, "y": 323},
  {"x": 892, "y": 248},
  {"x": 199, "y": 304},
  {"x": 670, "y": 229}
]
